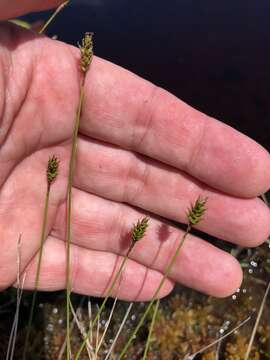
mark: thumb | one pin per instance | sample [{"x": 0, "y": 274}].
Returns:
[{"x": 10, "y": 9}]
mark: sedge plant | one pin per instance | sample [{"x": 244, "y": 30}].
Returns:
[
  {"x": 137, "y": 233},
  {"x": 51, "y": 175},
  {"x": 86, "y": 50},
  {"x": 194, "y": 216}
]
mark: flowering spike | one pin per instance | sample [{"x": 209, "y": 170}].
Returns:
[
  {"x": 139, "y": 229},
  {"x": 86, "y": 49},
  {"x": 52, "y": 169},
  {"x": 196, "y": 211}
]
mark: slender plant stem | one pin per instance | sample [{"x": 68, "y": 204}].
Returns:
[
  {"x": 69, "y": 202},
  {"x": 86, "y": 52},
  {"x": 119, "y": 331},
  {"x": 42, "y": 240},
  {"x": 13, "y": 332},
  {"x": 52, "y": 17},
  {"x": 108, "y": 294},
  {"x": 108, "y": 322},
  {"x": 257, "y": 322},
  {"x": 192, "y": 356},
  {"x": 148, "y": 342},
  {"x": 166, "y": 274}
]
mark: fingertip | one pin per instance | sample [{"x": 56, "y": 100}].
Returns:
[
  {"x": 231, "y": 277},
  {"x": 258, "y": 181},
  {"x": 257, "y": 225}
]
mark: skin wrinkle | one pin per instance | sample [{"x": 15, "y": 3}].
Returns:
[
  {"x": 146, "y": 112},
  {"x": 129, "y": 194},
  {"x": 196, "y": 148}
]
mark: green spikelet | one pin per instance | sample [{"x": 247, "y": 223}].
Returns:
[
  {"x": 196, "y": 211},
  {"x": 139, "y": 229},
  {"x": 52, "y": 169},
  {"x": 87, "y": 53}
]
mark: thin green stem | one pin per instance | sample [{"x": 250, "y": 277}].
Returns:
[
  {"x": 166, "y": 274},
  {"x": 149, "y": 338},
  {"x": 86, "y": 52},
  {"x": 42, "y": 240},
  {"x": 69, "y": 202},
  {"x": 52, "y": 17},
  {"x": 108, "y": 294}
]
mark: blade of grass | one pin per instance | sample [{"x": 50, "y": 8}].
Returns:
[
  {"x": 20, "y": 285},
  {"x": 148, "y": 342},
  {"x": 191, "y": 357},
  {"x": 89, "y": 306},
  {"x": 52, "y": 17},
  {"x": 106, "y": 327},
  {"x": 254, "y": 331},
  {"x": 80, "y": 326},
  {"x": 14, "y": 330},
  {"x": 63, "y": 347},
  {"x": 119, "y": 331},
  {"x": 97, "y": 334}
]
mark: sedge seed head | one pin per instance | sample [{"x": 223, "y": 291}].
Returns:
[
  {"x": 195, "y": 213},
  {"x": 52, "y": 169},
  {"x": 139, "y": 229},
  {"x": 86, "y": 48}
]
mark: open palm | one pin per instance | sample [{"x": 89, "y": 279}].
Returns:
[{"x": 140, "y": 150}]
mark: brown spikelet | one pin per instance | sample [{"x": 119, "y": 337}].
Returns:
[
  {"x": 86, "y": 48},
  {"x": 139, "y": 229},
  {"x": 52, "y": 169}
]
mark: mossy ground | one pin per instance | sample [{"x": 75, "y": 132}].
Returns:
[{"x": 186, "y": 322}]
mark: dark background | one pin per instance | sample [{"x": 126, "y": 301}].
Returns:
[{"x": 213, "y": 55}]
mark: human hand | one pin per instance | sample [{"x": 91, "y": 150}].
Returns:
[{"x": 139, "y": 149}]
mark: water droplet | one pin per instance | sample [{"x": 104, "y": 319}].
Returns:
[
  {"x": 55, "y": 311},
  {"x": 221, "y": 331},
  {"x": 50, "y": 327},
  {"x": 234, "y": 297},
  {"x": 253, "y": 263},
  {"x": 238, "y": 290},
  {"x": 244, "y": 291},
  {"x": 250, "y": 271},
  {"x": 133, "y": 317}
]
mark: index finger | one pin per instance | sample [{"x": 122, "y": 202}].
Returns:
[{"x": 123, "y": 109}]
